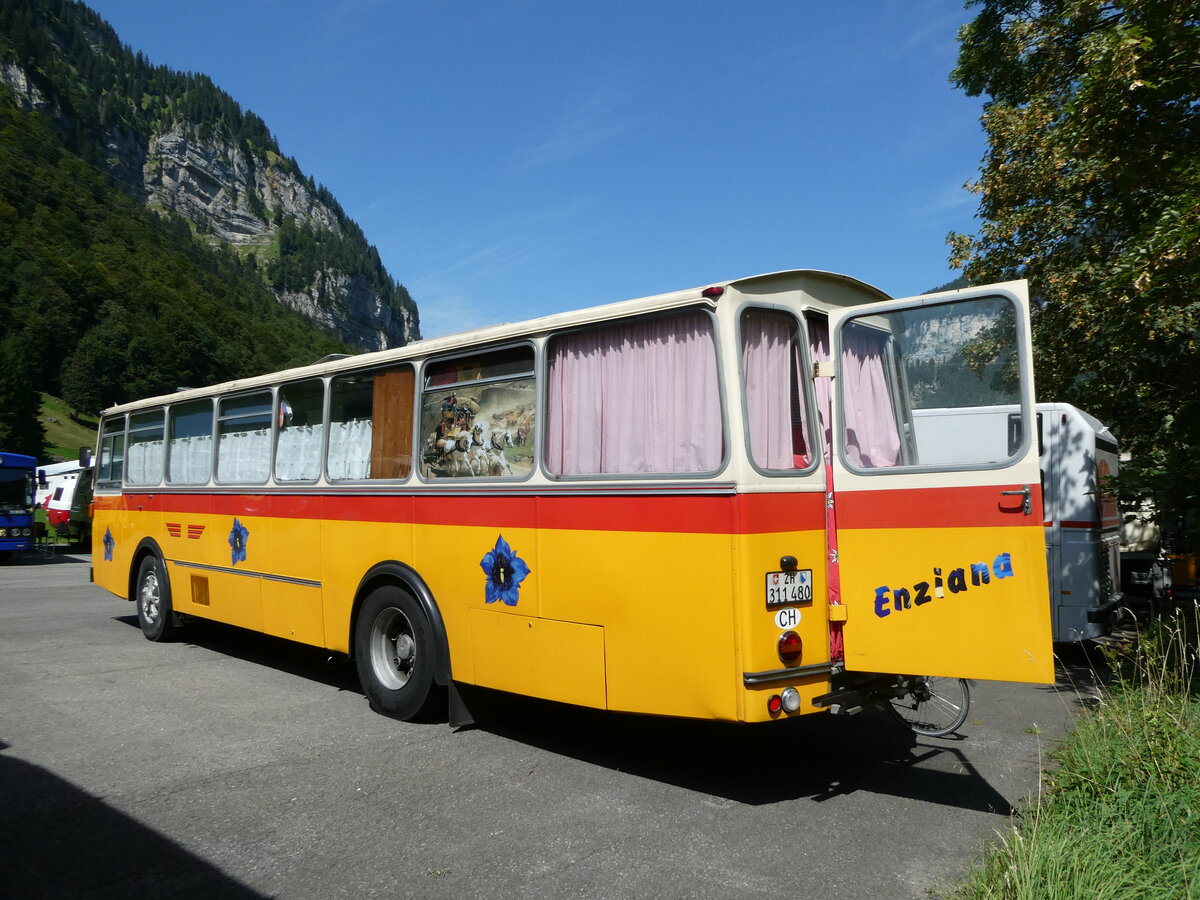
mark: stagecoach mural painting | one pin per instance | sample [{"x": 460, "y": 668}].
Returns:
[{"x": 486, "y": 431}]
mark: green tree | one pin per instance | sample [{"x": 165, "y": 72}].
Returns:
[{"x": 1091, "y": 189}]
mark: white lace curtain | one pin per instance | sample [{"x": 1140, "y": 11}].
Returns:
[
  {"x": 190, "y": 460},
  {"x": 350, "y": 450},
  {"x": 244, "y": 457},
  {"x": 145, "y": 462},
  {"x": 298, "y": 456}
]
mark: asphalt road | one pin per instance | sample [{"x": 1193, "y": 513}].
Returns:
[{"x": 238, "y": 765}]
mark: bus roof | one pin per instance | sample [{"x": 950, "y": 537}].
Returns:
[{"x": 492, "y": 334}]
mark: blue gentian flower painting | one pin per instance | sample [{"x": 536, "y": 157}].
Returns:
[
  {"x": 239, "y": 535},
  {"x": 109, "y": 543},
  {"x": 505, "y": 571}
]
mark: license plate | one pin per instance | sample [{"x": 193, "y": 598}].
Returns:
[{"x": 789, "y": 588}]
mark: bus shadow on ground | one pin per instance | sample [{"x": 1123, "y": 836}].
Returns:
[
  {"x": 283, "y": 655},
  {"x": 60, "y": 841},
  {"x": 816, "y": 757}
]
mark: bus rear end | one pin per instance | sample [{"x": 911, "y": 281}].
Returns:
[{"x": 16, "y": 503}]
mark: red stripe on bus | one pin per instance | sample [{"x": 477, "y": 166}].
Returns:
[
  {"x": 950, "y": 507},
  {"x": 755, "y": 513},
  {"x": 638, "y": 512}
]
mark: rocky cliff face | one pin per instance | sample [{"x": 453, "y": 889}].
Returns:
[{"x": 239, "y": 198}]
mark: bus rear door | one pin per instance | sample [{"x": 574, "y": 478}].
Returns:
[{"x": 938, "y": 542}]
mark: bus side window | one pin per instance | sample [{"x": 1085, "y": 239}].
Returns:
[
  {"x": 244, "y": 439},
  {"x": 110, "y": 467},
  {"x": 639, "y": 397},
  {"x": 300, "y": 415},
  {"x": 932, "y": 386},
  {"x": 777, "y": 417},
  {"x": 478, "y": 414},
  {"x": 189, "y": 449},
  {"x": 145, "y": 465},
  {"x": 371, "y": 425}
]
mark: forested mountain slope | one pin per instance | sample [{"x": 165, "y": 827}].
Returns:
[
  {"x": 176, "y": 142},
  {"x": 103, "y": 300}
]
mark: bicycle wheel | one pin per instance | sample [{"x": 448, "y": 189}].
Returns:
[{"x": 935, "y": 706}]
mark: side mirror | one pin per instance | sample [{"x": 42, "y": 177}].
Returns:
[
  {"x": 85, "y": 457},
  {"x": 41, "y": 479}
]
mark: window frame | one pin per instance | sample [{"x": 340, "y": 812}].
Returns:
[
  {"x": 220, "y": 418},
  {"x": 534, "y": 373},
  {"x": 814, "y": 434},
  {"x": 131, "y": 430},
  {"x": 277, "y": 428},
  {"x": 722, "y": 397},
  {"x": 171, "y": 408}
]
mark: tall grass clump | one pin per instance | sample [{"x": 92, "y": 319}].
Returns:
[{"x": 1119, "y": 817}]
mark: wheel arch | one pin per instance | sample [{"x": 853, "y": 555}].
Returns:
[
  {"x": 146, "y": 547},
  {"x": 403, "y": 576}
]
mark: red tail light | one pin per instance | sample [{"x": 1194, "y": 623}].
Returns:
[{"x": 790, "y": 647}]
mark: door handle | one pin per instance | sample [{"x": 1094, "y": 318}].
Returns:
[{"x": 1025, "y": 492}]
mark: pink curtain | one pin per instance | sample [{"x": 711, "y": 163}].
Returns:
[
  {"x": 637, "y": 397},
  {"x": 775, "y": 403},
  {"x": 818, "y": 342},
  {"x": 872, "y": 438}
]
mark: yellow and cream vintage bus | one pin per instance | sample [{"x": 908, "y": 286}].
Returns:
[{"x": 716, "y": 503}]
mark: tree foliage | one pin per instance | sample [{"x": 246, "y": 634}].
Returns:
[{"x": 1091, "y": 189}]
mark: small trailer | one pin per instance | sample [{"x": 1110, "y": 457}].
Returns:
[{"x": 64, "y": 491}]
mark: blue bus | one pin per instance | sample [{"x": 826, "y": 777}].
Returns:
[{"x": 16, "y": 503}]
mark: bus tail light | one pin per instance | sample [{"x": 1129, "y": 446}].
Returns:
[
  {"x": 790, "y": 647},
  {"x": 787, "y": 701}
]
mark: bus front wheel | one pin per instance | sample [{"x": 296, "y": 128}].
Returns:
[
  {"x": 154, "y": 601},
  {"x": 394, "y": 654}
]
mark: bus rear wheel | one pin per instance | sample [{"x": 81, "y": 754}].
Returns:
[
  {"x": 394, "y": 654},
  {"x": 153, "y": 600}
]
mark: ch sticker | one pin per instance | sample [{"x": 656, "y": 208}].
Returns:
[{"x": 787, "y": 618}]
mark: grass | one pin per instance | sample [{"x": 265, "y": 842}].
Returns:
[
  {"x": 1119, "y": 817},
  {"x": 66, "y": 431}
]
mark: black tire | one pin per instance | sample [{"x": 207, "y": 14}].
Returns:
[
  {"x": 152, "y": 594},
  {"x": 394, "y": 651},
  {"x": 935, "y": 707}
]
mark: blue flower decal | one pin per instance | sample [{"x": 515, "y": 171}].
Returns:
[
  {"x": 238, "y": 536},
  {"x": 505, "y": 571},
  {"x": 109, "y": 543}
]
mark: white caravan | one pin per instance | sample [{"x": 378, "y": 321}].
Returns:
[{"x": 1077, "y": 455}]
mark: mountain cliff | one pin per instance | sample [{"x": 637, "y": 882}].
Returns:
[{"x": 177, "y": 143}]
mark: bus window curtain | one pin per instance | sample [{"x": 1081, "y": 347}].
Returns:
[
  {"x": 872, "y": 437},
  {"x": 637, "y": 397},
  {"x": 145, "y": 462},
  {"x": 350, "y": 450},
  {"x": 190, "y": 459},
  {"x": 298, "y": 456},
  {"x": 775, "y": 403},
  {"x": 244, "y": 457}
]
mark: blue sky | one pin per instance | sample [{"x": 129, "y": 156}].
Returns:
[{"x": 516, "y": 159}]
